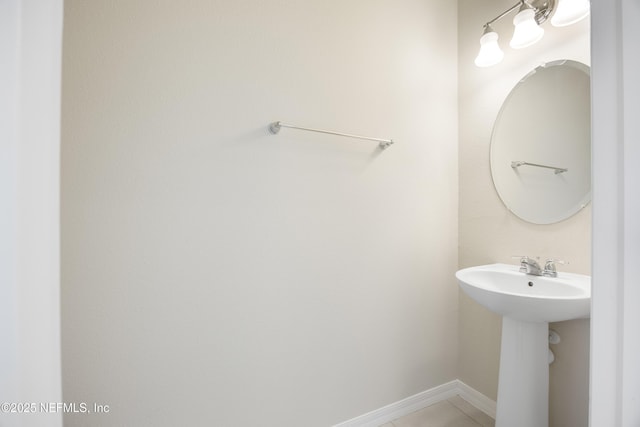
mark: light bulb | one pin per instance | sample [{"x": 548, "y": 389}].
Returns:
[
  {"x": 490, "y": 53},
  {"x": 569, "y": 12},
  {"x": 527, "y": 30}
]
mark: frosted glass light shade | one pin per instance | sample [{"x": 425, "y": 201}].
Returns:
[
  {"x": 569, "y": 12},
  {"x": 527, "y": 31},
  {"x": 490, "y": 53}
]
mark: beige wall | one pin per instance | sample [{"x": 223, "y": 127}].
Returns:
[
  {"x": 213, "y": 274},
  {"x": 490, "y": 233}
]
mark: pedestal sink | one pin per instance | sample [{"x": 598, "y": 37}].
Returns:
[{"x": 527, "y": 304}]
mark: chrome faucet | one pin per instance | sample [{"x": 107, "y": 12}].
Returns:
[{"x": 530, "y": 266}]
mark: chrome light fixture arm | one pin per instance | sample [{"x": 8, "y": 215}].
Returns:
[
  {"x": 542, "y": 9},
  {"x": 503, "y": 14}
]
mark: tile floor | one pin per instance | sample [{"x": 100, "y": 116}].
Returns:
[{"x": 454, "y": 412}]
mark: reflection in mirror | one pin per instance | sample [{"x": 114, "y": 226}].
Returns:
[{"x": 541, "y": 144}]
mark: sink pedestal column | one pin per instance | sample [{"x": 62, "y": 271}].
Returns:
[{"x": 523, "y": 386}]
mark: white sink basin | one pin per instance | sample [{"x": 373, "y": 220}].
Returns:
[{"x": 503, "y": 289}]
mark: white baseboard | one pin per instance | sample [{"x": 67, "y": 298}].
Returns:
[
  {"x": 477, "y": 399},
  {"x": 422, "y": 400}
]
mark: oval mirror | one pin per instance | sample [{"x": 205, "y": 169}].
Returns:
[{"x": 541, "y": 144}]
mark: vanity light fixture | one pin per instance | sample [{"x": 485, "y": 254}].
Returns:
[
  {"x": 490, "y": 52},
  {"x": 526, "y": 31},
  {"x": 531, "y": 14}
]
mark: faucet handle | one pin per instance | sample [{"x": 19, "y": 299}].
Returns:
[
  {"x": 552, "y": 261},
  {"x": 550, "y": 267},
  {"x": 524, "y": 260}
]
